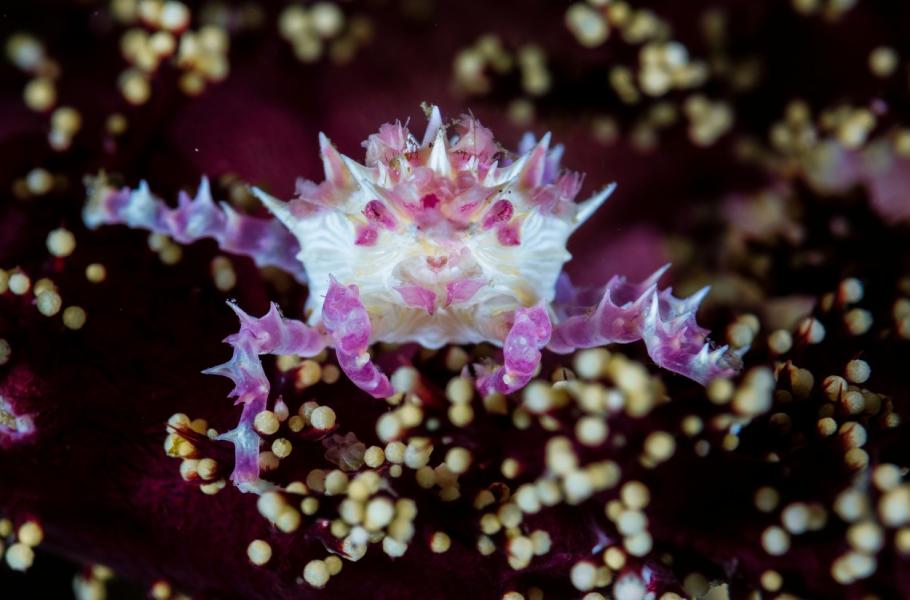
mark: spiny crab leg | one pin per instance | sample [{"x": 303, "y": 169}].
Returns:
[
  {"x": 270, "y": 334},
  {"x": 266, "y": 241},
  {"x": 348, "y": 322},
  {"x": 631, "y": 311},
  {"x": 530, "y": 331}
]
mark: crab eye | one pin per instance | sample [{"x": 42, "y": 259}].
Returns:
[
  {"x": 500, "y": 212},
  {"x": 377, "y": 212}
]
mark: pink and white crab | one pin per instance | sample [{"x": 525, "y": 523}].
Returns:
[{"x": 447, "y": 240}]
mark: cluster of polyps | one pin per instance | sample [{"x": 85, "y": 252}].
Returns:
[
  {"x": 444, "y": 241},
  {"x": 13, "y": 427}
]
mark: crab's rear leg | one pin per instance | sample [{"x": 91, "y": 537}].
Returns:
[
  {"x": 270, "y": 334},
  {"x": 530, "y": 331},
  {"x": 265, "y": 240},
  {"x": 348, "y": 322},
  {"x": 629, "y": 311}
]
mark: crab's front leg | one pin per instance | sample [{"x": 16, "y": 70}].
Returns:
[
  {"x": 530, "y": 331},
  {"x": 270, "y": 334},
  {"x": 348, "y": 322}
]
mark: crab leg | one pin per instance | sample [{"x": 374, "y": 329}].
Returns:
[
  {"x": 631, "y": 311},
  {"x": 530, "y": 331},
  {"x": 348, "y": 322},
  {"x": 270, "y": 334},
  {"x": 266, "y": 241}
]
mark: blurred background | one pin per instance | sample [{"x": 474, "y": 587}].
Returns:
[{"x": 761, "y": 146}]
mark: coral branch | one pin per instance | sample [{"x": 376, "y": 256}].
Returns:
[
  {"x": 270, "y": 334},
  {"x": 266, "y": 241},
  {"x": 631, "y": 311},
  {"x": 529, "y": 333},
  {"x": 347, "y": 320}
]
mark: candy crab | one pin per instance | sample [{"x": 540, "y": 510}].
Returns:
[{"x": 448, "y": 240}]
